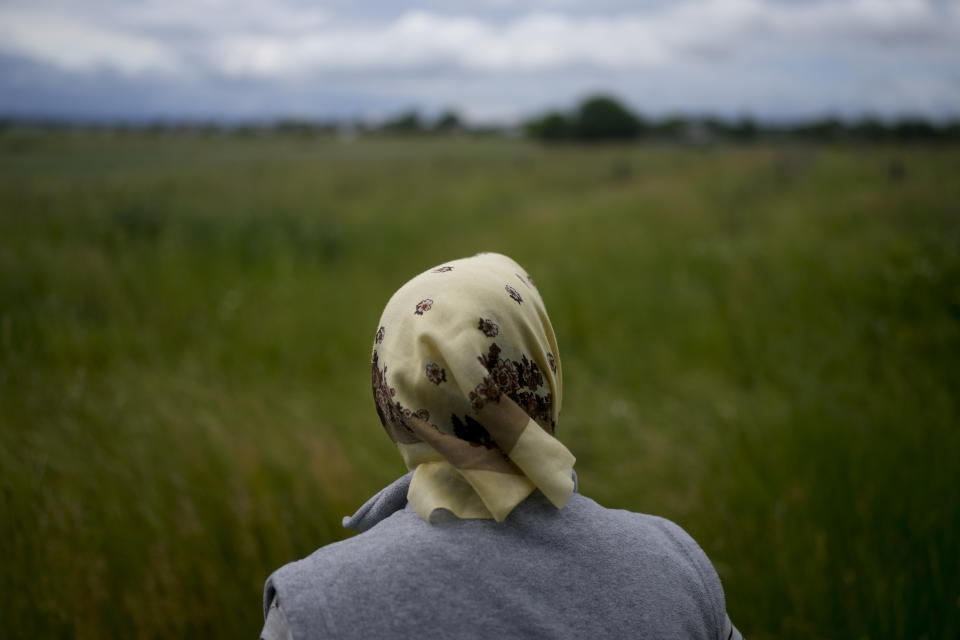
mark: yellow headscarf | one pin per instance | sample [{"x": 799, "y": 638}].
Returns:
[{"x": 467, "y": 383}]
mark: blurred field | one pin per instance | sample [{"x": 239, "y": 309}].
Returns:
[{"x": 760, "y": 343}]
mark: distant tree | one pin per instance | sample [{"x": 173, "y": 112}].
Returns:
[
  {"x": 448, "y": 121},
  {"x": 825, "y": 129},
  {"x": 553, "y": 126},
  {"x": 673, "y": 127},
  {"x": 603, "y": 118},
  {"x": 950, "y": 130},
  {"x": 870, "y": 129},
  {"x": 298, "y": 127},
  {"x": 914, "y": 129},
  {"x": 744, "y": 129},
  {"x": 407, "y": 122}
]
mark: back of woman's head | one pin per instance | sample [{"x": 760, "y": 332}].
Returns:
[{"x": 467, "y": 382}]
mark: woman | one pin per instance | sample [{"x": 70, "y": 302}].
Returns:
[{"x": 488, "y": 536}]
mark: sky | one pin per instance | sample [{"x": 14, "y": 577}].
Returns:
[{"x": 494, "y": 61}]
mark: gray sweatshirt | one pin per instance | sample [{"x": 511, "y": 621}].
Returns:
[{"x": 581, "y": 572}]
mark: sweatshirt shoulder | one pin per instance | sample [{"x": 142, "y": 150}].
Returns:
[
  {"x": 621, "y": 521},
  {"x": 661, "y": 537},
  {"x": 370, "y": 548},
  {"x": 653, "y": 528}
]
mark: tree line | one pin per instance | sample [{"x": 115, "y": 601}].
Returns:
[
  {"x": 603, "y": 118},
  {"x": 598, "y": 118}
]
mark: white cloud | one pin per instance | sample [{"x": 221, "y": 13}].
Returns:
[
  {"x": 551, "y": 40},
  {"x": 212, "y": 18},
  {"x": 422, "y": 40},
  {"x": 77, "y": 45},
  {"x": 269, "y": 39},
  {"x": 731, "y": 53}
]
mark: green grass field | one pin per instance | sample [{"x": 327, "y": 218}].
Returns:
[{"x": 760, "y": 343}]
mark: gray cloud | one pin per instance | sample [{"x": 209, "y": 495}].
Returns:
[{"x": 733, "y": 55}]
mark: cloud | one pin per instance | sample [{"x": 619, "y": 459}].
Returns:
[
  {"x": 267, "y": 39},
  {"x": 821, "y": 52},
  {"x": 66, "y": 43}
]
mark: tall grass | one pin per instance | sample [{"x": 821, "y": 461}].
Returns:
[{"x": 760, "y": 343}]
